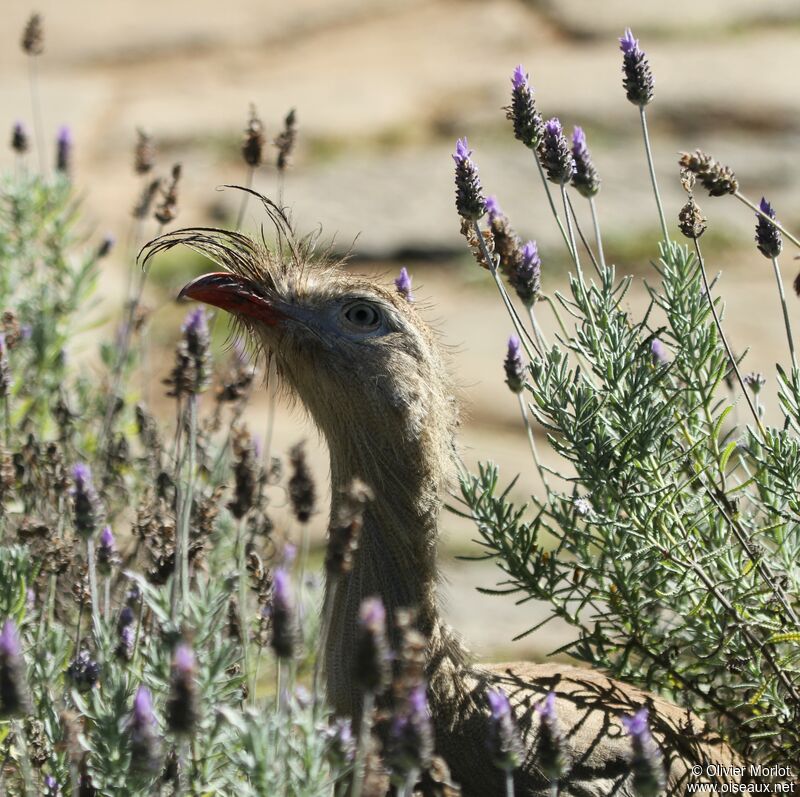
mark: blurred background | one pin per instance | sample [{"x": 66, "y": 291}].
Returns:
[{"x": 382, "y": 90}]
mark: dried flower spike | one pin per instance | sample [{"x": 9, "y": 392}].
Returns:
[
  {"x": 515, "y": 368},
  {"x": 646, "y": 761},
  {"x": 253, "y": 141},
  {"x": 586, "y": 180},
  {"x": 302, "y": 492},
  {"x": 142, "y": 733},
  {"x": 83, "y": 671},
  {"x": 638, "y": 78},
  {"x": 469, "y": 197},
  {"x": 372, "y": 659},
  {"x": 555, "y": 154},
  {"x": 755, "y": 381},
  {"x": 182, "y": 706},
  {"x": 33, "y": 36},
  {"x": 717, "y": 179},
  {"x": 167, "y": 209},
  {"x": 552, "y": 746},
  {"x": 768, "y": 236},
  {"x": 20, "y": 141},
  {"x": 286, "y": 140},
  {"x": 344, "y": 532},
  {"x": 14, "y": 697},
  {"x": 283, "y": 615},
  {"x": 691, "y": 221},
  {"x": 402, "y": 284},
  {"x": 64, "y": 150},
  {"x": 525, "y": 275},
  {"x": 503, "y": 740},
  {"x": 526, "y": 119},
  {"x": 144, "y": 154}
]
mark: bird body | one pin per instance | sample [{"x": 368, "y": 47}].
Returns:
[{"x": 370, "y": 373}]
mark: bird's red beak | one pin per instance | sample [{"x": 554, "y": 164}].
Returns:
[{"x": 235, "y": 294}]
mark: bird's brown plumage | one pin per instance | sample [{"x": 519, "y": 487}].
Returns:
[{"x": 383, "y": 402}]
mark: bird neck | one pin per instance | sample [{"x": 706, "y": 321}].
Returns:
[{"x": 396, "y": 559}]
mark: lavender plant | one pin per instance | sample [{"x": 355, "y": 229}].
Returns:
[{"x": 669, "y": 538}]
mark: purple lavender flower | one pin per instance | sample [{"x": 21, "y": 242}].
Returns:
[
  {"x": 20, "y": 140},
  {"x": 341, "y": 745},
  {"x": 64, "y": 150},
  {"x": 646, "y": 761},
  {"x": 83, "y": 671},
  {"x": 372, "y": 659},
  {"x": 195, "y": 347},
  {"x": 142, "y": 733},
  {"x": 585, "y": 179},
  {"x": 283, "y": 615},
  {"x": 526, "y": 119},
  {"x": 86, "y": 504},
  {"x": 14, "y": 697},
  {"x": 493, "y": 207},
  {"x": 552, "y": 755},
  {"x": 469, "y": 197},
  {"x": 525, "y": 276},
  {"x": 126, "y": 632},
  {"x": 51, "y": 787},
  {"x": 403, "y": 285},
  {"x": 768, "y": 236},
  {"x": 659, "y": 352},
  {"x": 554, "y": 153},
  {"x": 410, "y": 743},
  {"x": 182, "y": 706},
  {"x": 638, "y": 79},
  {"x": 514, "y": 367},
  {"x": 107, "y": 556},
  {"x": 503, "y": 740}
]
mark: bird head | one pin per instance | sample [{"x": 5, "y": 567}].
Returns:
[{"x": 357, "y": 354}]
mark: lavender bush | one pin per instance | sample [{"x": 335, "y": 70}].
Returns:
[{"x": 670, "y": 536}]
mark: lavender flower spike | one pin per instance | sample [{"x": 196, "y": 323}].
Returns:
[
  {"x": 403, "y": 285},
  {"x": 20, "y": 140},
  {"x": 646, "y": 761},
  {"x": 638, "y": 79},
  {"x": 526, "y": 119},
  {"x": 64, "y": 150},
  {"x": 182, "y": 707},
  {"x": 768, "y": 237},
  {"x": 14, "y": 697},
  {"x": 493, "y": 207},
  {"x": 142, "y": 735},
  {"x": 555, "y": 154},
  {"x": 659, "y": 352},
  {"x": 552, "y": 754},
  {"x": 372, "y": 659},
  {"x": 283, "y": 616},
  {"x": 525, "y": 277},
  {"x": 503, "y": 740},
  {"x": 410, "y": 745},
  {"x": 469, "y": 197},
  {"x": 586, "y": 180},
  {"x": 107, "y": 556},
  {"x": 514, "y": 367},
  {"x": 86, "y": 504}
]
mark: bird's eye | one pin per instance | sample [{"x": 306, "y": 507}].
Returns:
[{"x": 363, "y": 316}]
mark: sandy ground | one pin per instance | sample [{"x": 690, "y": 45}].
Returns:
[{"x": 382, "y": 89}]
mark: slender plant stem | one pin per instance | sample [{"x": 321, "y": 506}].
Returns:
[
  {"x": 554, "y": 789},
  {"x": 411, "y": 780},
  {"x": 90, "y": 561},
  {"x": 597, "y": 235},
  {"x": 585, "y": 243},
  {"x": 523, "y": 333},
  {"x": 243, "y": 621},
  {"x": 325, "y": 628},
  {"x": 7, "y": 417},
  {"x": 106, "y": 597},
  {"x": 245, "y": 197},
  {"x": 38, "y": 127},
  {"x": 742, "y": 198},
  {"x": 553, "y": 206},
  {"x": 532, "y": 441},
  {"x": 718, "y": 323},
  {"x": 652, "y": 169},
  {"x": 537, "y": 330},
  {"x": 509, "y": 783},
  {"x": 363, "y": 743},
  {"x": 24, "y": 758},
  {"x": 182, "y": 543},
  {"x": 786, "y": 321},
  {"x": 571, "y": 232}
]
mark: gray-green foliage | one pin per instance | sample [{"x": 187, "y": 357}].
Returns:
[{"x": 676, "y": 526}]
